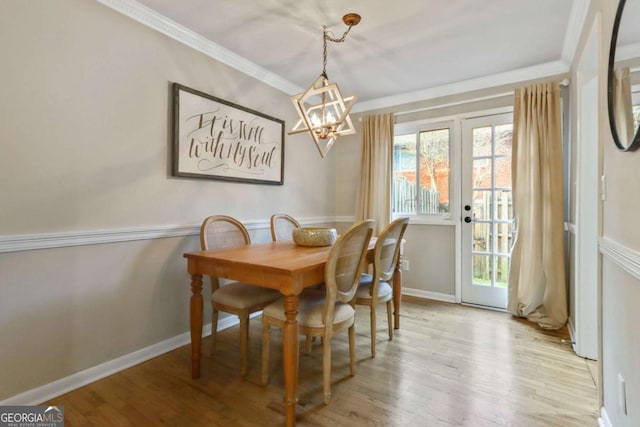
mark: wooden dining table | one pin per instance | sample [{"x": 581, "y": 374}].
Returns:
[{"x": 280, "y": 265}]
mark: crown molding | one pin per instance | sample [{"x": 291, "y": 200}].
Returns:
[
  {"x": 628, "y": 51},
  {"x": 548, "y": 69},
  {"x": 170, "y": 28},
  {"x": 577, "y": 18}
]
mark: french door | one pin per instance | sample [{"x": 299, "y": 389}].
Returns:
[{"x": 487, "y": 209}]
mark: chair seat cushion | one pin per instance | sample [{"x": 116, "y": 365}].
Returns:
[
  {"x": 243, "y": 295},
  {"x": 364, "y": 288},
  {"x": 310, "y": 309}
]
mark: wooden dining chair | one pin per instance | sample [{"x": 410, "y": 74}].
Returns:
[
  {"x": 376, "y": 288},
  {"x": 241, "y": 299},
  {"x": 282, "y": 226},
  {"x": 326, "y": 312}
]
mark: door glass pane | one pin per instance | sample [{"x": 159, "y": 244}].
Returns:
[
  {"x": 482, "y": 173},
  {"x": 482, "y": 270},
  {"x": 504, "y": 205},
  {"x": 503, "y": 172},
  {"x": 502, "y": 272},
  {"x": 482, "y": 141},
  {"x": 504, "y": 237},
  {"x": 504, "y": 136},
  {"x": 482, "y": 237},
  {"x": 482, "y": 204}
]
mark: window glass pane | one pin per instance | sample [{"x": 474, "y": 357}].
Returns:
[
  {"x": 482, "y": 141},
  {"x": 404, "y": 153},
  {"x": 503, "y": 139},
  {"x": 434, "y": 171},
  {"x": 482, "y": 173},
  {"x": 636, "y": 116},
  {"x": 404, "y": 174},
  {"x": 421, "y": 172}
]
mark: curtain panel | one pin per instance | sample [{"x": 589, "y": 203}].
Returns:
[
  {"x": 537, "y": 281},
  {"x": 374, "y": 189},
  {"x": 623, "y": 104}
]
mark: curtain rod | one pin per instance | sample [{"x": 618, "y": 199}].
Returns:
[
  {"x": 563, "y": 83},
  {"x": 453, "y": 104}
]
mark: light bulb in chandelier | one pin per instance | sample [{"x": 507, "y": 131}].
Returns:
[{"x": 324, "y": 126}]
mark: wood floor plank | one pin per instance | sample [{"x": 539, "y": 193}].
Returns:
[{"x": 449, "y": 365}]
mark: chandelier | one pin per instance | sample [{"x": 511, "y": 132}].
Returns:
[{"x": 323, "y": 112}]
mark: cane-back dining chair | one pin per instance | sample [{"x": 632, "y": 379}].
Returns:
[
  {"x": 376, "y": 288},
  {"x": 326, "y": 312},
  {"x": 282, "y": 226},
  {"x": 241, "y": 299}
]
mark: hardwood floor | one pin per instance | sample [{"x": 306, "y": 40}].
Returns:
[{"x": 448, "y": 365}]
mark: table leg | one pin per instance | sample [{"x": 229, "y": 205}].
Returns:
[
  {"x": 290, "y": 358},
  {"x": 196, "y": 323},
  {"x": 397, "y": 291}
]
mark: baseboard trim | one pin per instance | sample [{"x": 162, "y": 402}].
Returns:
[
  {"x": 64, "y": 385},
  {"x": 572, "y": 334},
  {"x": 27, "y": 242},
  {"x": 604, "y": 420},
  {"x": 419, "y": 293}
]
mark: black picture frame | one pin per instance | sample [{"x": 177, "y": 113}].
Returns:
[
  {"x": 217, "y": 139},
  {"x": 620, "y": 142}
]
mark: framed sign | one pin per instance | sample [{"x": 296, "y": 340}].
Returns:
[{"x": 217, "y": 139}]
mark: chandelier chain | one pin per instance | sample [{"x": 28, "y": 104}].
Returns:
[{"x": 328, "y": 35}]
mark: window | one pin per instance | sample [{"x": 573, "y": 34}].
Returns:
[
  {"x": 421, "y": 171},
  {"x": 635, "y": 101}
]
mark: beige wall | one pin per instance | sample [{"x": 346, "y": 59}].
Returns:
[
  {"x": 85, "y": 116},
  {"x": 86, "y": 121},
  {"x": 620, "y": 349}
]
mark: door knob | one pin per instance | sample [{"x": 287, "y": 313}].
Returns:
[{"x": 467, "y": 219}]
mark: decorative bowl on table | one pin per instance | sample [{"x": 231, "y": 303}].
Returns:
[{"x": 314, "y": 236}]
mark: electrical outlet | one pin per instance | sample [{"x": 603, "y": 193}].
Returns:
[
  {"x": 404, "y": 265},
  {"x": 622, "y": 394}
]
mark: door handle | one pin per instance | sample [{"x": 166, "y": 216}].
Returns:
[{"x": 467, "y": 219}]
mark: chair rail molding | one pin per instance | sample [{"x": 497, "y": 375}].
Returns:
[
  {"x": 626, "y": 258},
  {"x": 50, "y": 240}
]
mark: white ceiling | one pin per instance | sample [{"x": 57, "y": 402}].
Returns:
[{"x": 400, "y": 48}]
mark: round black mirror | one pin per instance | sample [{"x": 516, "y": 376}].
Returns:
[{"x": 623, "y": 91}]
